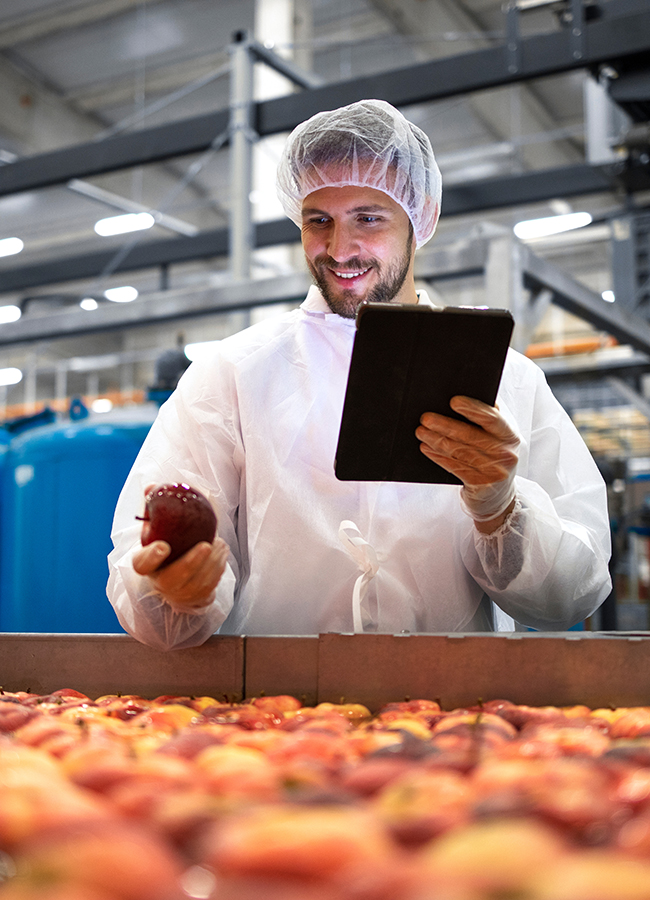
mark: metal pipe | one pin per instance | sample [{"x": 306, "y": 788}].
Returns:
[
  {"x": 286, "y": 67},
  {"x": 241, "y": 157}
]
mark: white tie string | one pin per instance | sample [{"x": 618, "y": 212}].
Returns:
[{"x": 365, "y": 557}]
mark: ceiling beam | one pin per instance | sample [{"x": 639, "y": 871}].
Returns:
[
  {"x": 493, "y": 193},
  {"x": 436, "y": 263},
  {"x": 143, "y": 255},
  {"x": 442, "y": 262},
  {"x": 533, "y": 187},
  {"x": 590, "y": 366},
  {"x": 575, "y": 297},
  {"x": 608, "y": 40},
  {"x": 160, "y": 307}
]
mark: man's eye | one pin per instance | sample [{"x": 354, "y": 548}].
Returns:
[
  {"x": 320, "y": 220},
  {"x": 370, "y": 220}
]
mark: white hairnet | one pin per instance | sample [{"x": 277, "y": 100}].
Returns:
[{"x": 370, "y": 144}]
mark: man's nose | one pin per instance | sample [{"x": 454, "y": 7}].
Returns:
[{"x": 342, "y": 243}]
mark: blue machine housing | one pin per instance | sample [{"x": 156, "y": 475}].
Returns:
[{"x": 60, "y": 484}]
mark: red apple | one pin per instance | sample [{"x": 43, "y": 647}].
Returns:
[
  {"x": 570, "y": 741},
  {"x": 124, "y": 861},
  {"x": 419, "y": 806},
  {"x": 179, "y": 515},
  {"x": 243, "y": 715},
  {"x": 97, "y": 765},
  {"x": 280, "y": 703},
  {"x": 371, "y": 775},
  {"x": 494, "y": 858},
  {"x": 591, "y": 875},
  {"x": 308, "y": 844},
  {"x": 238, "y": 773},
  {"x": 188, "y": 743},
  {"x": 13, "y": 715},
  {"x": 633, "y": 724}
]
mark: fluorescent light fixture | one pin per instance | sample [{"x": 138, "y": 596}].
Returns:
[
  {"x": 124, "y": 294},
  {"x": 124, "y": 224},
  {"x": 534, "y": 228},
  {"x": 9, "y": 314},
  {"x": 88, "y": 303},
  {"x": 609, "y": 296},
  {"x": 101, "y": 405},
  {"x": 9, "y": 246},
  {"x": 10, "y": 376},
  {"x": 199, "y": 349}
]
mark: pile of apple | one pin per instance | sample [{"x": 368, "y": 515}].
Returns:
[{"x": 123, "y": 798}]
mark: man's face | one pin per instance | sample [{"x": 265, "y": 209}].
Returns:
[{"x": 358, "y": 244}]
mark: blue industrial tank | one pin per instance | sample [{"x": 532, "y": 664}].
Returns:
[{"x": 60, "y": 486}]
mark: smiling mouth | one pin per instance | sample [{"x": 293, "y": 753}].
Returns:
[{"x": 350, "y": 275}]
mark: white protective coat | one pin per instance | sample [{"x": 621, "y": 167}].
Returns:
[{"x": 255, "y": 428}]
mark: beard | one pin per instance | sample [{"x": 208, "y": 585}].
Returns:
[{"x": 346, "y": 302}]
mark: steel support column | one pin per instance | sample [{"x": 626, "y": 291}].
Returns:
[{"x": 241, "y": 157}]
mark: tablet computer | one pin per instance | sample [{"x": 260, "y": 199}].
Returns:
[{"x": 409, "y": 359}]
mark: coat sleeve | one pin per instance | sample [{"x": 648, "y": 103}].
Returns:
[
  {"x": 194, "y": 436},
  {"x": 547, "y": 567}
]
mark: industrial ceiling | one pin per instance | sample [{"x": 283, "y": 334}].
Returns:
[{"x": 111, "y": 106}]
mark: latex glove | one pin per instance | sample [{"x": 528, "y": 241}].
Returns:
[
  {"x": 189, "y": 581},
  {"x": 483, "y": 455}
]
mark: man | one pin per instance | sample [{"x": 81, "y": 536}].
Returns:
[{"x": 255, "y": 428}]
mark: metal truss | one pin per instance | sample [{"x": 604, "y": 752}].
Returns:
[
  {"x": 574, "y": 297},
  {"x": 159, "y": 307},
  {"x": 620, "y": 37},
  {"x": 515, "y": 278},
  {"x": 494, "y": 193}
]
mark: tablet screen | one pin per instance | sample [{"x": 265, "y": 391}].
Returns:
[{"x": 407, "y": 360}]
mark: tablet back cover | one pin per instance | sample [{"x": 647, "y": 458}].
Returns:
[{"x": 407, "y": 360}]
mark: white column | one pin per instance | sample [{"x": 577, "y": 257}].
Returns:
[
  {"x": 277, "y": 24},
  {"x": 92, "y": 387},
  {"x": 604, "y": 120},
  {"x": 241, "y": 96},
  {"x": 30, "y": 383},
  {"x": 61, "y": 382}
]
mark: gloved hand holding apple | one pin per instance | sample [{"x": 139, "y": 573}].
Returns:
[{"x": 180, "y": 554}]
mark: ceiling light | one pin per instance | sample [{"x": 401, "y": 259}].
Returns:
[
  {"x": 10, "y": 376},
  {"x": 124, "y": 224},
  {"x": 123, "y": 294},
  {"x": 609, "y": 296},
  {"x": 101, "y": 405},
  {"x": 9, "y": 314},
  {"x": 9, "y": 246},
  {"x": 199, "y": 349},
  {"x": 534, "y": 228},
  {"x": 88, "y": 303}
]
